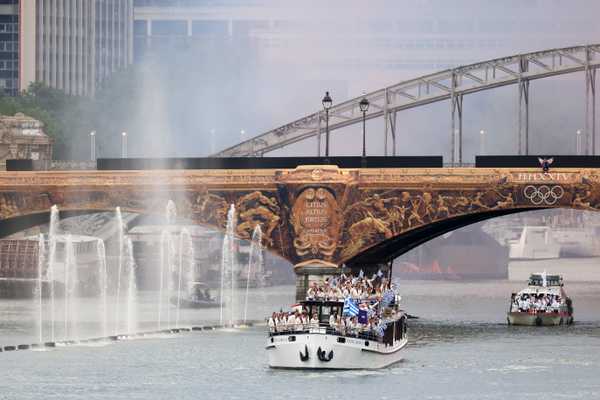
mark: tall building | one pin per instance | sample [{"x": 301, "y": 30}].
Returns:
[
  {"x": 9, "y": 46},
  {"x": 72, "y": 45}
]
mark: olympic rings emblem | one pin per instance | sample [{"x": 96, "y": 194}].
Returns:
[{"x": 544, "y": 194}]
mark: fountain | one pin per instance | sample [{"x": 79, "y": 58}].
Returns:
[
  {"x": 171, "y": 215},
  {"x": 52, "y": 239},
  {"x": 131, "y": 289},
  {"x": 163, "y": 241},
  {"x": 121, "y": 238},
  {"x": 48, "y": 270},
  {"x": 186, "y": 252},
  {"x": 228, "y": 266},
  {"x": 255, "y": 262},
  {"x": 167, "y": 255},
  {"x": 71, "y": 286},
  {"x": 40, "y": 285},
  {"x": 103, "y": 285}
]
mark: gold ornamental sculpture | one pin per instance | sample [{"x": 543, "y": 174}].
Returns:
[{"x": 310, "y": 214}]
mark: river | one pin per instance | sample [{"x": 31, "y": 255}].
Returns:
[{"x": 460, "y": 348}]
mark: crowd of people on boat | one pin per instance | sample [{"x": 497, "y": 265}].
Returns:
[
  {"x": 344, "y": 325},
  {"x": 346, "y": 286},
  {"x": 531, "y": 302},
  {"x": 364, "y": 300}
]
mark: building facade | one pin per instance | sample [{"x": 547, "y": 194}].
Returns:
[
  {"x": 71, "y": 45},
  {"x": 9, "y": 46},
  {"x": 23, "y": 137}
]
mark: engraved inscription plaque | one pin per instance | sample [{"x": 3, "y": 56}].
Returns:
[{"x": 316, "y": 221}]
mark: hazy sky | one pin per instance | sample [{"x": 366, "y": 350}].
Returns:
[{"x": 278, "y": 57}]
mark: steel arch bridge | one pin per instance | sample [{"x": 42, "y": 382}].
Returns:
[{"x": 451, "y": 84}]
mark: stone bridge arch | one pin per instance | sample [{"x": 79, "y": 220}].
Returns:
[
  {"x": 395, "y": 220},
  {"x": 319, "y": 218}
]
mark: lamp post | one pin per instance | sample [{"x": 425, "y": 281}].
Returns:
[
  {"x": 242, "y": 134},
  {"x": 482, "y": 142},
  {"x": 327, "y": 102},
  {"x": 123, "y": 144},
  {"x": 578, "y": 142},
  {"x": 364, "y": 107},
  {"x": 92, "y": 145}
]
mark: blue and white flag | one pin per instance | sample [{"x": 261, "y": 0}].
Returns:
[
  {"x": 387, "y": 298},
  {"x": 379, "y": 273},
  {"x": 350, "y": 307},
  {"x": 361, "y": 274},
  {"x": 380, "y": 328}
]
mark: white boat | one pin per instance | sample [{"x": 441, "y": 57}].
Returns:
[
  {"x": 528, "y": 306},
  {"x": 577, "y": 241},
  {"x": 324, "y": 347},
  {"x": 535, "y": 242}
]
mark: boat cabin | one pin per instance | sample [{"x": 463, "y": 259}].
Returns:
[
  {"x": 323, "y": 309},
  {"x": 551, "y": 280},
  {"x": 200, "y": 291}
]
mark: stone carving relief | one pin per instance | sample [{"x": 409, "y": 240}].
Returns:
[
  {"x": 257, "y": 209},
  {"x": 384, "y": 214},
  {"x": 254, "y": 208}
]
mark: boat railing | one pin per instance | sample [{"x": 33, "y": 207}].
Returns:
[{"x": 325, "y": 329}]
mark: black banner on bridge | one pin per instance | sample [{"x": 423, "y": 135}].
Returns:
[
  {"x": 533, "y": 161},
  {"x": 27, "y": 165},
  {"x": 266, "y": 162}
]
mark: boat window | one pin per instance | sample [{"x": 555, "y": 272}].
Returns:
[{"x": 324, "y": 314}]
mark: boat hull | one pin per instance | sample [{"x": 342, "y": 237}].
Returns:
[
  {"x": 187, "y": 303},
  {"x": 545, "y": 319},
  {"x": 301, "y": 351}
]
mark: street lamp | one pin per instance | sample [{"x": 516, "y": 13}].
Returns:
[
  {"x": 123, "y": 144},
  {"x": 92, "y": 145},
  {"x": 578, "y": 142},
  {"x": 327, "y": 102},
  {"x": 482, "y": 142},
  {"x": 364, "y": 107},
  {"x": 242, "y": 134}
]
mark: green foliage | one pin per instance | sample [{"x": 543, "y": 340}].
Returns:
[
  {"x": 70, "y": 119},
  {"x": 59, "y": 112}
]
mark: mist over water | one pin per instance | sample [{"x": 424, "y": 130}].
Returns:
[{"x": 262, "y": 64}]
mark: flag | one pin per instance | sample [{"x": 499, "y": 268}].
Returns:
[
  {"x": 350, "y": 307},
  {"x": 371, "y": 311},
  {"x": 379, "y": 273},
  {"x": 361, "y": 274},
  {"x": 380, "y": 328},
  {"x": 362, "y": 317},
  {"x": 544, "y": 282},
  {"x": 387, "y": 298}
]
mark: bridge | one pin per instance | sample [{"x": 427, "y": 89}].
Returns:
[
  {"x": 319, "y": 218},
  {"x": 450, "y": 85},
  {"x": 324, "y": 217}
]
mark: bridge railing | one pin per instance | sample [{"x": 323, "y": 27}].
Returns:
[{"x": 449, "y": 85}]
